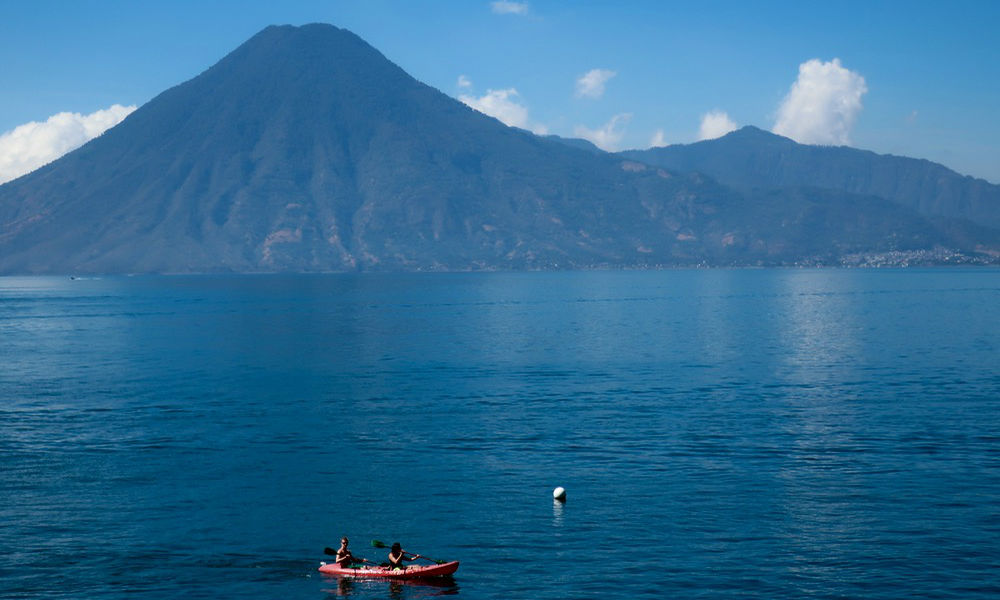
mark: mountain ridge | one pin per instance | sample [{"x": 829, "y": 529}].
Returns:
[{"x": 753, "y": 158}]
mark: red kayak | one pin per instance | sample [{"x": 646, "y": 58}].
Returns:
[{"x": 410, "y": 572}]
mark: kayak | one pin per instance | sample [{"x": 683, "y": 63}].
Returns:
[{"x": 410, "y": 572}]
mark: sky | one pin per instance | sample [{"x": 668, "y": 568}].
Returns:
[{"x": 914, "y": 78}]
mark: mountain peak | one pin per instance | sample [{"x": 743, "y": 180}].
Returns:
[
  {"x": 754, "y": 134},
  {"x": 301, "y": 44},
  {"x": 309, "y": 30},
  {"x": 748, "y": 130}
]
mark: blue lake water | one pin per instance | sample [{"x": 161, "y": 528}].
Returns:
[{"x": 721, "y": 434}]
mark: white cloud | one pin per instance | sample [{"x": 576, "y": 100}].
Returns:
[
  {"x": 715, "y": 124},
  {"x": 32, "y": 145},
  {"x": 822, "y": 105},
  {"x": 591, "y": 84},
  {"x": 464, "y": 82},
  {"x": 504, "y": 7},
  {"x": 504, "y": 105},
  {"x": 658, "y": 140},
  {"x": 608, "y": 136}
]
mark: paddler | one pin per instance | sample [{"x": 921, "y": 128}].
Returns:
[
  {"x": 397, "y": 555},
  {"x": 344, "y": 556}
]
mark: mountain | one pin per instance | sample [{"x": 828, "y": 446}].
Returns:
[
  {"x": 576, "y": 143},
  {"x": 307, "y": 150},
  {"x": 752, "y": 158}
]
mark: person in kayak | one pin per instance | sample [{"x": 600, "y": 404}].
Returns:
[
  {"x": 344, "y": 556},
  {"x": 397, "y": 556}
]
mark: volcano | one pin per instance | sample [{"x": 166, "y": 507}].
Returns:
[{"x": 306, "y": 150}]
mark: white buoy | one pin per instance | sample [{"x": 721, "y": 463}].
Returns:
[{"x": 559, "y": 494}]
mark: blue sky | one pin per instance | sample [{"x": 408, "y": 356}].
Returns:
[{"x": 919, "y": 79}]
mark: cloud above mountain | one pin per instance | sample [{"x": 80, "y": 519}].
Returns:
[
  {"x": 658, "y": 140},
  {"x": 822, "y": 105},
  {"x": 505, "y": 7},
  {"x": 32, "y": 145},
  {"x": 591, "y": 84},
  {"x": 505, "y": 106},
  {"x": 715, "y": 124},
  {"x": 608, "y": 136}
]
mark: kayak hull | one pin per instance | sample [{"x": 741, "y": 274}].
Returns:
[{"x": 410, "y": 572}]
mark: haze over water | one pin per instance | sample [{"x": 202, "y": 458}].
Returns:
[{"x": 750, "y": 433}]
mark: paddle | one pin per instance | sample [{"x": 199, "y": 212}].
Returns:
[{"x": 379, "y": 544}]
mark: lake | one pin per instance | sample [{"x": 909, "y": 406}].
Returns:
[{"x": 720, "y": 433}]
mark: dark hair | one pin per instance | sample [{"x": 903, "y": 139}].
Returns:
[{"x": 396, "y": 547}]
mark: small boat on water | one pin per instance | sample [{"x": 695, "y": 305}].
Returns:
[{"x": 410, "y": 572}]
